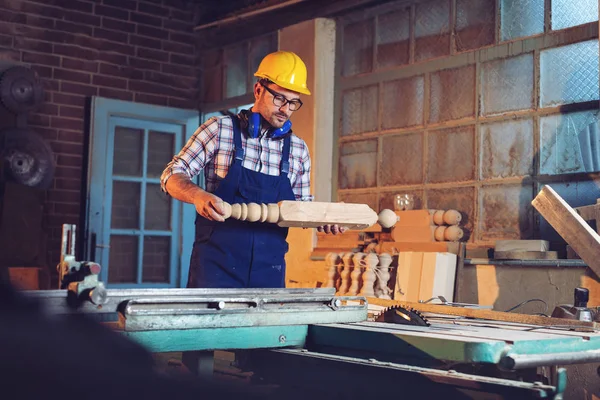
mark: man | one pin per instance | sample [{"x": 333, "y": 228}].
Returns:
[{"x": 251, "y": 157}]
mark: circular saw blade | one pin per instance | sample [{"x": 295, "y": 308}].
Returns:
[
  {"x": 20, "y": 90},
  {"x": 27, "y": 158},
  {"x": 402, "y": 315}
]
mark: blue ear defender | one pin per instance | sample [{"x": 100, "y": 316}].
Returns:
[{"x": 254, "y": 123}]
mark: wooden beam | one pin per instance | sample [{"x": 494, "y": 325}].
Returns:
[
  {"x": 486, "y": 314},
  {"x": 569, "y": 224}
]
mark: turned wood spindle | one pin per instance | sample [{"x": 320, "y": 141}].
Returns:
[
  {"x": 383, "y": 276},
  {"x": 358, "y": 262},
  {"x": 345, "y": 274},
  {"x": 368, "y": 276},
  {"x": 331, "y": 261}
]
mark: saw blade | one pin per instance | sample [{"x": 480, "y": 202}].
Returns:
[
  {"x": 27, "y": 158},
  {"x": 20, "y": 89},
  {"x": 402, "y": 315}
]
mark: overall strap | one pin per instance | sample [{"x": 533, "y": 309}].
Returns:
[
  {"x": 285, "y": 155},
  {"x": 237, "y": 139}
]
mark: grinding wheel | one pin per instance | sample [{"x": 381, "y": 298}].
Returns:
[
  {"x": 20, "y": 90},
  {"x": 27, "y": 158}
]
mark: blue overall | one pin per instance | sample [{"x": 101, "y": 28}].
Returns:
[{"x": 240, "y": 254}]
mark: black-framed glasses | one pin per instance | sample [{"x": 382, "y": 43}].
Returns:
[{"x": 280, "y": 100}]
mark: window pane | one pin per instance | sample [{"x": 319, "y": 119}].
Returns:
[
  {"x": 505, "y": 212},
  {"x": 161, "y": 146},
  {"x": 452, "y": 94},
  {"x": 402, "y": 103},
  {"x": 569, "y": 74},
  {"x": 567, "y": 13},
  {"x": 521, "y": 18},
  {"x": 259, "y": 48},
  {"x": 129, "y": 148},
  {"x": 236, "y": 70},
  {"x": 125, "y": 212},
  {"x": 475, "y": 23},
  {"x": 506, "y": 149},
  {"x": 393, "y": 38},
  {"x": 358, "y": 48},
  {"x": 408, "y": 149},
  {"x": 123, "y": 259},
  {"x": 158, "y": 209},
  {"x": 432, "y": 29},
  {"x": 157, "y": 258},
  {"x": 507, "y": 85},
  {"x": 451, "y": 155},
  {"x": 358, "y": 165},
  {"x": 565, "y": 140},
  {"x": 359, "y": 110}
]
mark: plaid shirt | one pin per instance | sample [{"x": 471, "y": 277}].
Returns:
[{"x": 211, "y": 149}]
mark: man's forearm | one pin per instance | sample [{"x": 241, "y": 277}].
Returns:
[{"x": 180, "y": 187}]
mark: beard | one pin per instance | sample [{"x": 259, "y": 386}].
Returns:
[{"x": 278, "y": 119}]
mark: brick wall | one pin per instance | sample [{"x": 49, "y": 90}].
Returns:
[{"x": 134, "y": 50}]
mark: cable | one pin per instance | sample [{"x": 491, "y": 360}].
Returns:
[{"x": 528, "y": 301}]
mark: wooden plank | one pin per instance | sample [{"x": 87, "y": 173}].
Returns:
[
  {"x": 569, "y": 224},
  {"x": 525, "y": 255},
  {"x": 486, "y": 314},
  {"x": 408, "y": 276},
  {"x": 522, "y": 245}
]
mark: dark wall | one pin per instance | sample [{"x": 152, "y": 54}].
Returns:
[{"x": 135, "y": 50}]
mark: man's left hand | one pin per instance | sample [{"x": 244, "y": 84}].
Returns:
[{"x": 335, "y": 229}]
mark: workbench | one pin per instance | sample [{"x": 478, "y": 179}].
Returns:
[{"x": 308, "y": 340}]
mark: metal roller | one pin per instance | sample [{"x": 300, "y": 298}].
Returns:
[{"x": 20, "y": 90}]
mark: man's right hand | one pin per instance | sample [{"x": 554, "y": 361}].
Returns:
[{"x": 209, "y": 206}]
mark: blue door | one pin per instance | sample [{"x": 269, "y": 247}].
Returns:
[{"x": 140, "y": 236}]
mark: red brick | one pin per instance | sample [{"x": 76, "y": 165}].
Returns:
[
  {"x": 182, "y": 48},
  {"x": 69, "y": 149},
  {"x": 152, "y": 32},
  {"x": 6, "y": 41},
  {"x": 115, "y": 24},
  {"x": 146, "y": 19},
  {"x": 63, "y": 196},
  {"x": 144, "y": 64},
  {"x": 179, "y": 70},
  {"x": 48, "y": 109},
  {"x": 82, "y": 18},
  {"x": 42, "y": 72},
  {"x": 109, "y": 81},
  {"x": 9, "y": 16},
  {"x": 38, "y": 58},
  {"x": 47, "y": 133},
  {"x": 68, "y": 99},
  {"x": 169, "y": 80},
  {"x": 82, "y": 6},
  {"x": 72, "y": 112},
  {"x": 66, "y": 123},
  {"x": 112, "y": 12},
  {"x": 73, "y": 76},
  {"x": 128, "y": 4},
  {"x": 67, "y": 172},
  {"x": 150, "y": 99},
  {"x": 122, "y": 48},
  {"x": 181, "y": 15},
  {"x": 182, "y": 59},
  {"x": 116, "y": 94},
  {"x": 152, "y": 54},
  {"x": 112, "y": 58},
  {"x": 78, "y": 88},
  {"x": 35, "y": 119},
  {"x": 75, "y": 51},
  {"x": 10, "y": 55},
  {"x": 80, "y": 65},
  {"x": 40, "y": 22},
  {"x": 67, "y": 209},
  {"x": 152, "y": 9},
  {"x": 23, "y": 43},
  {"x": 145, "y": 41},
  {"x": 181, "y": 37},
  {"x": 108, "y": 34},
  {"x": 49, "y": 84},
  {"x": 74, "y": 28},
  {"x": 179, "y": 26},
  {"x": 41, "y": 9},
  {"x": 70, "y": 136},
  {"x": 183, "y": 103},
  {"x": 67, "y": 184},
  {"x": 121, "y": 71}
]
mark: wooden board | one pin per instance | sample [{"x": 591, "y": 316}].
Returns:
[
  {"x": 569, "y": 224},
  {"x": 522, "y": 245},
  {"x": 312, "y": 214},
  {"x": 525, "y": 255},
  {"x": 486, "y": 314}
]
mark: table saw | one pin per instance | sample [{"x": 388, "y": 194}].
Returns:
[{"x": 310, "y": 340}]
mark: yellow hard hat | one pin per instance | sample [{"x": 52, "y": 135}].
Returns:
[{"x": 285, "y": 69}]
